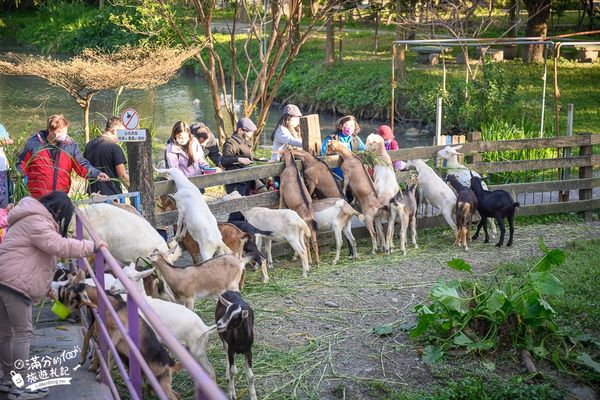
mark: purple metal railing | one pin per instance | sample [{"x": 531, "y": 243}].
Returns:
[{"x": 205, "y": 387}]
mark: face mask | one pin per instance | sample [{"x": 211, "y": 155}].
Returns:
[
  {"x": 61, "y": 135},
  {"x": 182, "y": 141},
  {"x": 294, "y": 122},
  {"x": 347, "y": 131},
  {"x": 387, "y": 141}
]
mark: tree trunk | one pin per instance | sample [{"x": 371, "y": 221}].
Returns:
[
  {"x": 376, "y": 30},
  {"x": 141, "y": 175},
  {"x": 330, "y": 42},
  {"x": 537, "y": 25},
  {"x": 514, "y": 17},
  {"x": 85, "y": 104}
]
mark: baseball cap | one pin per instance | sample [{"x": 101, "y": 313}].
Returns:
[
  {"x": 292, "y": 110},
  {"x": 197, "y": 126},
  {"x": 385, "y": 132},
  {"x": 246, "y": 124}
]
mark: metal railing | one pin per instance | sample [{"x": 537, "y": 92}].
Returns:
[
  {"x": 205, "y": 388},
  {"x": 133, "y": 196}
]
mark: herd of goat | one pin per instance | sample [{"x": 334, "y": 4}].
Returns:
[{"x": 309, "y": 203}]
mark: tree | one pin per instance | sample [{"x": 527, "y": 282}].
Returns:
[
  {"x": 538, "y": 12},
  {"x": 92, "y": 71}
]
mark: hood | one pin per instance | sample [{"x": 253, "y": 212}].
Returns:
[{"x": 26, "y": 207}]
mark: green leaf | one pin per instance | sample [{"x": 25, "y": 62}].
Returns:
[
  {"x": 460, "y": 265},
  {"x": 383, "y": 330},
  {"x": 446, "y": 293},
  {"x": 432, "y": 354},
  {"x": 542, "y": 245},
  {"x": 462, "y": 340},
  {"x": 423, "y": 323},
  {"x": 546, "y": 283},
  {"x": 490, "y": 366},
  {"x": 482, "y": 345},
  {"x": 495, "y": 301},
  {"x": 540, "y": 351},
  {"x": 553, "y": 257},
  {"x": 585, "y": 359}
]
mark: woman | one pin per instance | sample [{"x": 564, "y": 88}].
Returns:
[
  {"x": 28, "y": 254},
  {"x": 184, "y": 152},
  {"x": 287, "y": 133},
  {"x": 390, "y": 143},
  {"x": 346, "y": 132}
]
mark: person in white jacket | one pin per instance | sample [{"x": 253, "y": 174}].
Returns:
[{"x": 287, "y": 133}]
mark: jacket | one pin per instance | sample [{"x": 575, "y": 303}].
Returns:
[
  {"x": 350, "y": 141},
  {"x": 46, "y": 174},
  {"x": 177, "y": 158},
  {"x": 234, "y": 148},
  {"x": 282, "y": 138},
  {"x": 31, "y": 247}
]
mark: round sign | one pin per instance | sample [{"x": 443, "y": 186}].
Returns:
[{"x": 130, "y": 118}]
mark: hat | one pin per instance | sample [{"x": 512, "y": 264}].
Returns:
[
  {"x": 196, "y": 126},
  {"x": 246, "y": 124},
  {"x": 385, "y": 132},
  {"x": 292, "y": 110}
]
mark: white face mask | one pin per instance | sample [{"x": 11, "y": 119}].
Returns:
[
  {"x": 294, "y": 122},
  {"x": 61, "y": 135},
  {"x": 183, "y": 140}
]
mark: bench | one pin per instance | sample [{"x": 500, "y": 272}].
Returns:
[
  {"x": 429, "y": 55},
  {"x": 587, "y": 53}
]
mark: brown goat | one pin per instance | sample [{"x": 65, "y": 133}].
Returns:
[
  {"x": 319, "y": 178},
  {"x": 294, "y": 195},
  {"x": 361, "y": 185},
  {"x": 466, "y": 206}
]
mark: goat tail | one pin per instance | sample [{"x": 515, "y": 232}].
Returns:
[{"x": 516, "y": 204}]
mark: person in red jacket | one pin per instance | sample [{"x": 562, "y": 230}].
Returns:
[
  {"x": 50, "y": 156},
  {"x": 390, "y": 143}
]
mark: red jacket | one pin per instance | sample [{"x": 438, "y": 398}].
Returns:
[{"x": 45, "y": 174}]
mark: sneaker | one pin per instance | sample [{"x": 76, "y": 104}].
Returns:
[
  {"x": 18, "y": 394},
  {"x": 6, "y": 385}
]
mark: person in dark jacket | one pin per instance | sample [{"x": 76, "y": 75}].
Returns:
[
  {"x": 208, "y": 141},
  {"x": 50, "y": 156}
]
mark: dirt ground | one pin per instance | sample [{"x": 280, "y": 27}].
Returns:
[{"x": 314, "y": 336}]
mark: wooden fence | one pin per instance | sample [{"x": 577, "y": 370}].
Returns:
[{"x": 585, "y": 183}]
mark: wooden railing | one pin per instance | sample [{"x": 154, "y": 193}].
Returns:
[{"x": 585, "y": 162}]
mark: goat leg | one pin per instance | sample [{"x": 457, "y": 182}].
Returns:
[
  {"x": 315, "y": 245},
  {"x": 502, "y": 231},
  {"x": 485, "y": 231},
  {"x": 230, "y": 371},
  {"x": 390, "y": 229},
  {"x": 413, "y": 225},
  {"x": 250, "y": 375},
  {"x": 479, "y": 225},
  {"x": 511, "y": 227},
  {"x": 338, "y": 245},
  {"x": 351, "y": 240}
]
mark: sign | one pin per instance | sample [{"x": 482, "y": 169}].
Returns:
[
  {"x": 130, "y": 119},
  {"x": 131, "y": 135}
]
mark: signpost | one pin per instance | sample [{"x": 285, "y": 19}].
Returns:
[{"x": 131, "y": 119}]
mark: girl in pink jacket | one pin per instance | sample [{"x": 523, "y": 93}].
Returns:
[
  {"x": 3, "y": 220},
  {"x": 28, "y": 254}
]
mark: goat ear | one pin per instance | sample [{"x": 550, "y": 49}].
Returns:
[
  {"x": 224, "y": 302},
  {"x": 245, "y": 314},
  {"x": 458, "y": 147},
  {"x": 143, "y": 274},
  {"x": 154, "y": 255}
]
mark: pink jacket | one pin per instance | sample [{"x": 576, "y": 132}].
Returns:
[
  {"x": 3, "y": 222},
  {"x": 177, "y": 158},
  {"x": 29, "y": 251}
]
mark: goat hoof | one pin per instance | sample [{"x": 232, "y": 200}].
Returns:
[
  {"x": 486, "y": 241},
  {"x": 508, "y": 244},
  {"x": 499, "y": 244},
  {"x": 474, "y": 237}
]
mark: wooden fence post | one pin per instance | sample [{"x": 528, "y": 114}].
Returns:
[
  {"x": 565, "y": 173},
  {"x": 311, "y": 134},
  {"x": 141, "y": 175},
  {"x": 586, "y": 172},
  {"x": 475, "y": 137}
]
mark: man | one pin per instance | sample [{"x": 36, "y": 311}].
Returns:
[
  {"x": 50, "y": 156},
  {"x": 208, "y": 141},
  {"x": 107, "y": 156}
]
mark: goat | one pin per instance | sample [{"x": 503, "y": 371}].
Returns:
[
  {"x": 235, "y": 324},
  {"x": 185, "y": 324},
  {"x": 384, "y": 177},
  {"x": 466, "y": 206},
  {"x": 498, "y": 204},
  {"x": 462, "y": 172},
  {"x": 435, "y": 190},
  {"x": 209, "y": 279},
  {"x": 294, "y": 195},
  {"x": 283, "y": 225},
  {"x": 199, "y": 220},
  {"x": 336, "y": 214},
  {"x": 79, "y": 294},
  {"x": 403, "y": 209},
  {"x": 319, "y": 178},
  {"x": 361, "y": 185}
]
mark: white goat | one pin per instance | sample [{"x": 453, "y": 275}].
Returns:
[
  {"x": 384, "y": 178},
  {"x": 336, "y": 214},
  {"x": 194, "y": 212},
  {"x": 462, "y": 172},
  {"x": 435, "y": 191},
  {"x": 284, "y": 225},
  {"x": 184, "y": 324}
]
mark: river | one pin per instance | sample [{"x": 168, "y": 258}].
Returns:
[{"x": 26, "y": 102}]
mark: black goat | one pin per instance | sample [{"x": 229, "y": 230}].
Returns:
[
  {"x": 466, "y": 205},
  {"x": 498, "y": 204},
  {"x": 235, "y": 324}
]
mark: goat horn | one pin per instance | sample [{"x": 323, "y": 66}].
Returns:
[{"x": 222, "y": 300}]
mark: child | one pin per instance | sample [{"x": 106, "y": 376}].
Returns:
[
  {"x": 3, "y": 220},
  {"x": 390, "y": 143},
  {"x": 287, "y": 133}
]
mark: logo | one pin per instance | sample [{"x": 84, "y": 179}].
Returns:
[{"x": 46, "y": 371}]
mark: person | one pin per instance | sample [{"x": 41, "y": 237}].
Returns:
[
  {"x": 4, "y": 167},
  {"x": 28, "y": 256},
  {"x": 238, "y": 153},
  {"x": 347, "y": 133},
  {"x": 184, "y": 152},
  {"x": 287, "y": 133},
  {"x": 208, "y": 141},
  {"x": 390, "y": 144},
  {"x": 50, "y": 156},
  {"x": 107, "y": 156},
  {"x": 4, "y": 220}
]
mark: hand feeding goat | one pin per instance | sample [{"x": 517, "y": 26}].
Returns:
[
  {"x": 403, "y": 209},
  {"x": 361, "y": 185},
  {"x": 384, "y": 177},
  {"x": 498, "y": 204},
  {"x": 466, "y": 206},
  {"x": 235, "y": 324},
  {"x": 462, "y": 172},
  {"x": 284, "y": 225},
  {"x": 185, "y": 324},
  {"x": 435, "y": 190},
  {"x": 199, "y": 220},
  {"x": 336, "y": 214},
  {"x": 319, "y": 178},
  {"x": 209, "y": 279},
  {"x": 294, "y": 196}
]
